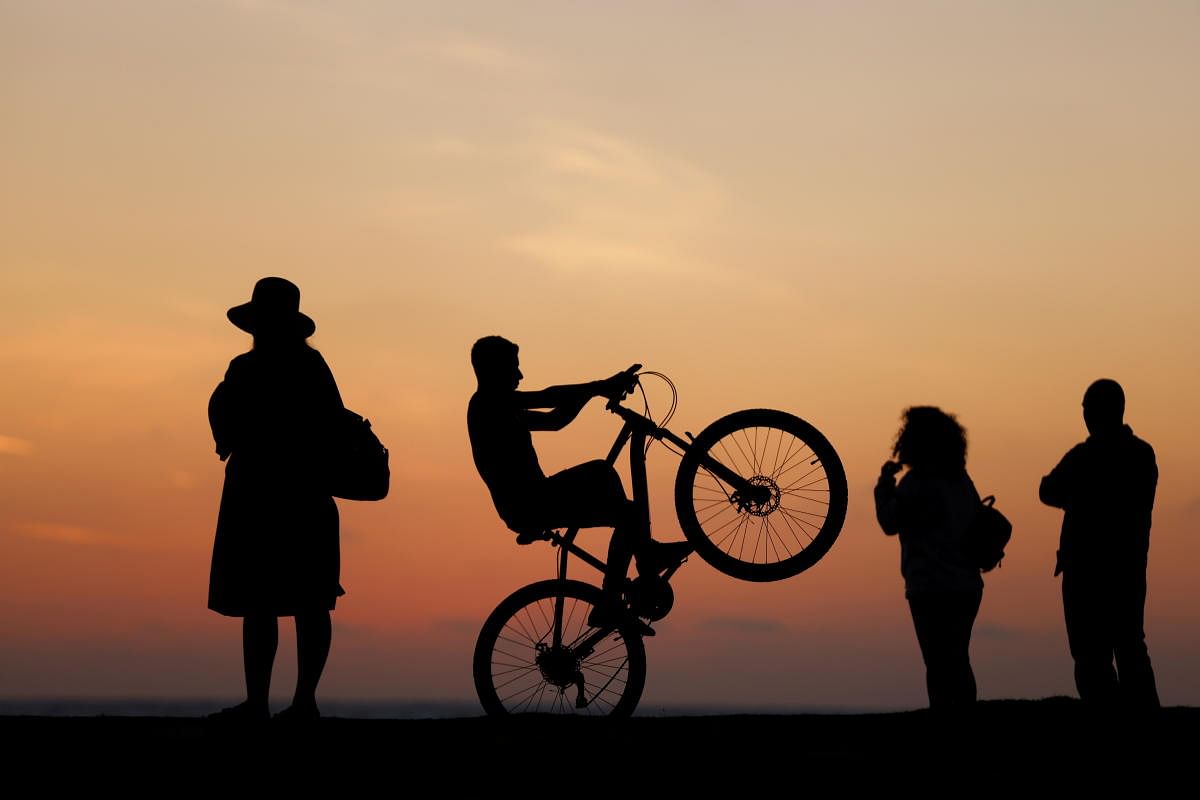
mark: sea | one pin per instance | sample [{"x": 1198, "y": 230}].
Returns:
[{"x": 348, "y": 708}]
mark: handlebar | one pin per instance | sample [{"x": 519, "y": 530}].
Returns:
[
  {"x": 632, "y": 373},
  {"x": 645, "y": 421}
]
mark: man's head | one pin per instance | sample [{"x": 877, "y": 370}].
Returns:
[
  {"x": 1103, "y": 406},
  {"x": 495, "y": 361}
]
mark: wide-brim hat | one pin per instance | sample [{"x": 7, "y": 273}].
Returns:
[{"x": 274, "y": 307}]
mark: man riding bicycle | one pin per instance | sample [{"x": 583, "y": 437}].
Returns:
[{"x": 500, "y": 420}]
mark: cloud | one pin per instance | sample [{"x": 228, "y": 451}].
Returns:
[
  {"x": 577, "y": 250},
  {"x": 745, "y": 624},
  {"x": 480, "y": 54},
  {"x": 58, "y": 532},
  {"x": 313, "y": 21},
  {"x": 614, "y": 204},
  {"x": 11, "y": 445}
]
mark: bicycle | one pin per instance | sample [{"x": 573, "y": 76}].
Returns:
[{"x": 536, "y": 651}]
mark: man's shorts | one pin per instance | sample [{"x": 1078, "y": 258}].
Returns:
[{"x": 589, "y": 495}]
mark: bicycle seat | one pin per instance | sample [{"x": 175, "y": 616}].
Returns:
[{"x": 529, "y": 537}]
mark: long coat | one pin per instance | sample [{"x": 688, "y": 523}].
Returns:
[{"x": 276, "y": 550}]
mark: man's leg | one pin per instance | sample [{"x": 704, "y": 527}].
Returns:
[
  {"x": 1134, "y": 670},
  {"x": 628, "y": 538},
  {"x": 1085, "y": 609},
  {"x": 591, "y": 495}
]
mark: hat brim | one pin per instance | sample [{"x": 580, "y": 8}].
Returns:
[{"x": 252, "y": 321}]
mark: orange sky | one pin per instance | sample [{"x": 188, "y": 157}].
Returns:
[{"x": 837, "y": 209}]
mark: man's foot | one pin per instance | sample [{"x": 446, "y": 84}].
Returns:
[
  {"x": 299, "y": 713},
  {"x": 242, "y": 713},
  {"x": 657, "y": 557},
  {"x": 612, "y": 613}
]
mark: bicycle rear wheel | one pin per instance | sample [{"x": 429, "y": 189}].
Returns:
[
  {"x": 798, "y": 511},
  {"x": 520, "y": 668}
]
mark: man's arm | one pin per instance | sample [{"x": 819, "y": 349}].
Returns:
[
  {"x": 568, "y": 400},
  {"x": 559, "y": 418},
  {"x": 555, "y": 396},
  {"x": 1058, "y": 488}
]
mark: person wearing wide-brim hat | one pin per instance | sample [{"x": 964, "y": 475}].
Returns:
[{"x": 276, "y": 552}]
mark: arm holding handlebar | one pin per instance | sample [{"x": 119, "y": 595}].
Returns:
[{"x": 568, "y": 400}]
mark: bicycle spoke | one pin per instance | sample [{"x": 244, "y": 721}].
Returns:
[
  {"x": 797, "y": 459},
  {"x": 526, "y": 694},
  {"x": 547, "y": 620},
  {"x": 767, "y": 522},
  {"x": 513, "y": 680},
  {"x": 730, "y": 461},
  {"x": 523, "y": 630},
  {"x": 518, "y": 659},
  {"x": 736, "y": 517},
  {"x": 808, "y": 499},
  {"x": 787, "y": 521},
  {"x": 540, "y": 695},
  {"x": 740, "y": 520},
  {"x": 512, "y": 668},
  {"x": 791, "y": 510},
  {"x": 738, "y": 445},
  {"x": 818, "y": 480},
  {"x": 722, "y": 502}
]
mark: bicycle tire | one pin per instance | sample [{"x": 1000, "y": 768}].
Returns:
[
  {"x": 774, "y": 540},
  {"x": 511, "y": 676}
]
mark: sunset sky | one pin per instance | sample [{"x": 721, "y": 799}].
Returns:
[{"x": 838, "y": 209}]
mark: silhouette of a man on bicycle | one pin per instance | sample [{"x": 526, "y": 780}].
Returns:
[{"x": 500, "y": 420}]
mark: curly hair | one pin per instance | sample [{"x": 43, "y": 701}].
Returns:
[{"x": 931, "y": 440}]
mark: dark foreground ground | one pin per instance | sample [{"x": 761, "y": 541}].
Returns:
[{"x": 1047, "y": 745}]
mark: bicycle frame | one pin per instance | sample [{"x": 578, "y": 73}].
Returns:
[{"x": 634, "y": 432}]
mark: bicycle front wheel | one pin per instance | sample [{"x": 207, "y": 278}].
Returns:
[
  {"x": 521, "y": 666},
  {"x": 791, "y": 516}
]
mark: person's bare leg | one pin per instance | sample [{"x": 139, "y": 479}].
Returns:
[
  {"x": 620, "y": 554},
  {"x": 260, "y": 640},
  {"x": 629, "y": 537},
  {"x": 314, "y": 634}
]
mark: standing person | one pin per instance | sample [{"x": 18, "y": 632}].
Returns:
[
  {"x": 931, "y": 509},
  {"x": 276, "y": 552},
  {"x": 1106, "y": 487}
]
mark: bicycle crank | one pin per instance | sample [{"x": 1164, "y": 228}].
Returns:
[{"x": 650, "y": 596}]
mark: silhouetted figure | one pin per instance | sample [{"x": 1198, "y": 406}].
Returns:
[
  {"x": 499, "y": 421},
  {"x": 1106, "y": 487},
  {"x": 276, "y": 552},
  {"x": 931, "y": 509}
]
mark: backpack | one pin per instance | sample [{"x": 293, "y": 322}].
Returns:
[
  {"x": 358, "y": 462},
  {"x": 987, "y": 536}
]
